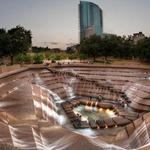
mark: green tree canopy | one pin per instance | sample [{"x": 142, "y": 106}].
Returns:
[
  {"x": 115, "y": 46},
  {"x": 14, "y": 41},
  {"x": 143, "y": 49},
  {"x": 90, "y": 46},
  {"x": 4, "y": 42}
]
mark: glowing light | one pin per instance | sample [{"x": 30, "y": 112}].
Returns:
[
  {"x": 88, "y": 108},
  {"x": 111, "y": 113},
  {"x": 107, "y": 110},
  {"x": 101, "y": 109},
  {"x": 84, "y": 118}
]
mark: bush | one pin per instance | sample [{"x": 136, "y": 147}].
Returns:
[
  {"x": 22, "y": 58},
  {"x": 38, "y": 59},
  {"x": 73, "y": 56},
  {"x": 55, "y": 57},
  {"x": 82, "y": 56},
  {"x": 28, "y": 59},
  {"x": 19, "y": 58},
  {"x": 77, "y": 56}
]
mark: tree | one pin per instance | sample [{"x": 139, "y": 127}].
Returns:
[
  {"x": 143, "y": 49},
  {"x": 38, "y": 59},
  {"x": 116, "y": 46},
  {"x": 111, "y": 46},
  {"x": 90, "y": 47},
  {"x": 14, "y": 41},
  {"x": 4, "y": 42},
  {"x": 19, "y": 41}
]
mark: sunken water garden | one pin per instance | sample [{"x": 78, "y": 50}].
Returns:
[{"x": 75, "y": 108}]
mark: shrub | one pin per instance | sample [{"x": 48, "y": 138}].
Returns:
[
  {"x": 38, "y": 59},
  {"x": 77, "y": 56},
  {"x": 73, "y": 56},
  {"x": 55, "y": 57},
  {"x": 22, "y": 58},
  {"x": 28, "y": 59},
  {"x": 82, "y": 56},
  {"x": 19, "y": 58}
]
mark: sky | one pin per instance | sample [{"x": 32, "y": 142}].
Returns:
[{"x": 55, "y": 23}]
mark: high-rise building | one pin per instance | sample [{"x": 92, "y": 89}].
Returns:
[{"x": 91, "y": 19}]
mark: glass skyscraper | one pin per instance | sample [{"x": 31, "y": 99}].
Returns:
[{"x": 91, "y": 19}]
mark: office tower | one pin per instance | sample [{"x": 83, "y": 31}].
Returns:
[{"x": 91, "y": 19}]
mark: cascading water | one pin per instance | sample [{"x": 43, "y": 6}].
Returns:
[
  {"x": 47, "y": 103},
  {"x": 45, "y": 131},
  {"x": 69, "y": 91},
  {"x": 69, "y": 88}
]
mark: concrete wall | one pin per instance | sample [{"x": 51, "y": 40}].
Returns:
[{"x": 9, "y": 68}]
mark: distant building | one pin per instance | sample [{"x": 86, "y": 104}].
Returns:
[
  {"x": 137, "y": 37},
  {"x": 73, "y": 48},
  {"x": 108, "y": 34},
  {"x": 91, "y": 19}
]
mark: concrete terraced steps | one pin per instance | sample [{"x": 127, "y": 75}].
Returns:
[
  {"x": 134, "y": 83},
  {"x": 139, "y": 94},
  {"x": 137, "y": 133},
  {"x": 26, "y": 125},
  {"x": 124, "y": 117}
]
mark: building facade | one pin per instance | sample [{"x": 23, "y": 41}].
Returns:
[{"x": 91, "y": 19}]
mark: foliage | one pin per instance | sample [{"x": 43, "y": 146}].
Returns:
[
  {"x": 57, "y": 56},
  {"x": 38, "y": 59},
  {"x": 14, "y": 41},
  {"x": 4, "y": 42},
  {"x": 82, "y": 56},
  {"x": 143, "y": 49},
  {"x": 73, "y": 56},
  {"x": 90, "y": 46},
  {"x": 115, "y": 46},
  {"x": 19, "y": 58},
  {"x": 28, "y": 59},
  {"x": 23, "y": 58}
]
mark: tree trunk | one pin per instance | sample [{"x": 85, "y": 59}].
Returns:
[
  {"x": 94, "y": 58},
  {"x": 12, "y": 59}
]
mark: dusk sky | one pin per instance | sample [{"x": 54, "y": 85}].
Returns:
[{"x": 57, "y": 21}]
